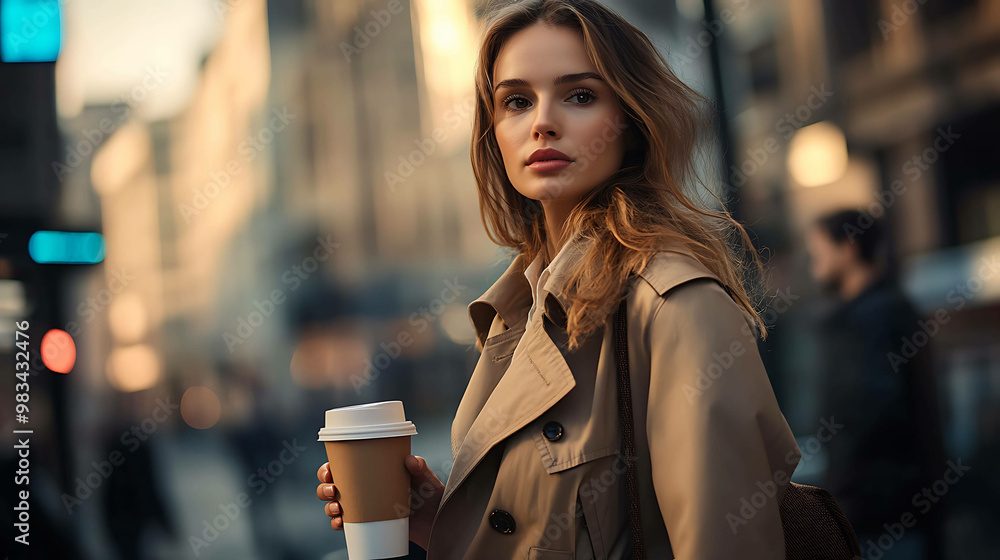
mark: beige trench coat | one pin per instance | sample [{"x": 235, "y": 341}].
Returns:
[{"x": 538, "y": 471}]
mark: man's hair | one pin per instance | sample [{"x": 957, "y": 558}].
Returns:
[{"x": 860, "y": 229}]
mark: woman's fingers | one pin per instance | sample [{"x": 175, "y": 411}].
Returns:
[
  {"x": 323, "y": 474},
  {"x": 333, "y": 509},
  {"x": 325, "y": 492}
]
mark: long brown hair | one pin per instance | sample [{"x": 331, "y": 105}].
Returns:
[{"x": 640, "y": 209}]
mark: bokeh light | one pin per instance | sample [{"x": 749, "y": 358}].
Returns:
[
  {"x": 455, "y": 322},
  {"x": 324, "y": 358},
  {"x": 65, "y": 247},
  {"x": 133, "y": 368},
  {"x": 817, "y": 155},
  {"x": 30, "y": 31},
  {"x": 58, "y": 351},
  {"x": 127, "y": 318},
  {"x": 200, "y": 407}
]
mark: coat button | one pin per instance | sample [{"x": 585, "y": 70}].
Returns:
[
  {"x": 502, "y": 521},
  {"x": 552, "y": 431}
]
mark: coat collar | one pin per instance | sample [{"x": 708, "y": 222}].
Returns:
[{"x": 510, "y": 296}]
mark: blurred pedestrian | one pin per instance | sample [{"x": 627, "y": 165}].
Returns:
[
  {"x": 889, "y": 446},
  {"x": 134, "y": 499}
]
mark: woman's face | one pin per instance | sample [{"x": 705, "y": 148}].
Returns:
[{"x": 548, "y": 96}]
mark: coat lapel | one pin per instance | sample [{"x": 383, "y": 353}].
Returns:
[
  {"x": 537, "y": 375},
  {"x": 536, "y": 378},
  {"x": 509, "y": 296}
]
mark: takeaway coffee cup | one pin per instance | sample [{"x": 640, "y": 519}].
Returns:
[{"x": 367, "y": 445}]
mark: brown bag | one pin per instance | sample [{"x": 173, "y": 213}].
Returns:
[{"x": 815, "y": 528}]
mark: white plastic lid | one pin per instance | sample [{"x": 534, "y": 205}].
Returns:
[{"x": 366, "y": 421}]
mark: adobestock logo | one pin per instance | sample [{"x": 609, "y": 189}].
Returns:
[
  {"x": 759, "y": 155},
  {"x": 901, "y": 13},
  {"x": 768, "y": 489},
  {"x": 913, "y": 168},
  {"x": 132, "y": 438},
  {"x": 363, "y": 36},
  {"x": 695, "y": 45},
  {"x": 959, "y": 297},
  {"x": 260, "y": 480},
  {"x": 249, "y": 149},
  {"x": 460, "y": 114},
  {"x": 122, "y": 107},
  {"x": 264, "y": 308},
  {"x": 421, "y": 320}
]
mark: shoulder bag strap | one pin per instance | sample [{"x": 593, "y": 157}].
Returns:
[{"x": 625, "y": 415}]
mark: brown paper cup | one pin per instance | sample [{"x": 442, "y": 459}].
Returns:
[
  {"x": 367, "y": 445},
  {"x": 371, "y": 480}
]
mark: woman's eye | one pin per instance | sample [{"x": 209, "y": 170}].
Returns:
[
  {"x": 510, "y": 101},
  {"x": 581, "y": 97}
]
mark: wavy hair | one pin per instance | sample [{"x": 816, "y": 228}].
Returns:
[{"x": 640, "y": 209}]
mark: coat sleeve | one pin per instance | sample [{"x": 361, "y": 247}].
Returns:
[{"x": 721, "y": 450}]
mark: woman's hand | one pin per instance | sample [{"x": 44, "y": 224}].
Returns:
[
  {"x": 425, "y": 497},
  {"x": 326, "y": 491}
]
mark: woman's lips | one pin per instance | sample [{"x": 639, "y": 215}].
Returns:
[{"x": 549, "y": 165}]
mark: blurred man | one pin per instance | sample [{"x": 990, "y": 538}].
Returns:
[{"x": 889, "y": 447}]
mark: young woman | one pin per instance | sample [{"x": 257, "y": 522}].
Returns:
[{"x": 583, "y": 144}]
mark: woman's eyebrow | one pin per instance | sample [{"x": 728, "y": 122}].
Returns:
[{"x": 564, "y": 79}]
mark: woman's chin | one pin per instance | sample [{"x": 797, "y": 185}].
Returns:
[{"x": 547, "y": 190}]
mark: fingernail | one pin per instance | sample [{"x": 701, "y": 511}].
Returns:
[
  {"x": 328, "y": 491},
  {"x": 335, "y": 508}
]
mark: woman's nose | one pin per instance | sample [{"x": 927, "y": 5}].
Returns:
[{"x": 545, "y": 124}]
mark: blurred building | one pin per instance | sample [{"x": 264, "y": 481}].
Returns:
[
  {"x": 890, "y": 107},
  {"x": 289, "y": 140}
]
